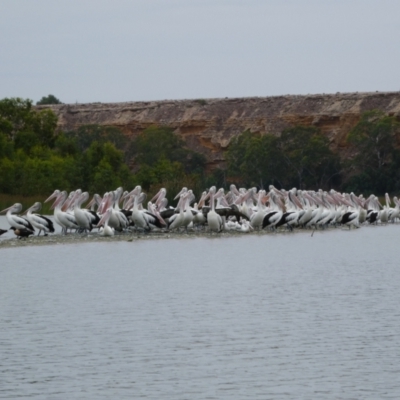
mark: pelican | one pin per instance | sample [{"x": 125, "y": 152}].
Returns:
[
  {"x": 256, "y": 219},
  {"x": 118, "y": 219},
  {"x": 39, "y": 221},
  {"x": 106, "y": 230},
  {"x": 16, "y": 221},
  {"x": 214, "y": 220},
  {"x": 84, "y": 218},
  {"x": 65, "y": 220},
  {"x": 176, "y": 220},
  {"x": 54, "y": 195},
  {"x": 275, "y": 213},
  {"x": 143, "y": 219}
]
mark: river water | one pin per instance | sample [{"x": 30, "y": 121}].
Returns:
[{"x": 285, "y": 316}]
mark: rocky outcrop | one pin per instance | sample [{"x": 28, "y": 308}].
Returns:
[{"x": 208, "y": 125}]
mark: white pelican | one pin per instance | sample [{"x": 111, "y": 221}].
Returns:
[
  {"x": 16, "y": 221},
  {"x": 275, "y": 212},
  {"x": 39, "y": 221},
  {"x": 84, "y": 218},
  {"x": 106, "y": 230},
  {"x": 66, "y": 220},
  {"x": 256, "y": 219},
  {"x": 143, "y": 219},
  {"x": 176, "y": 220},
  {"x": 214, "y": 220}
]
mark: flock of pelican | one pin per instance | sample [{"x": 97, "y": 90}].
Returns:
[{"x": 241, "y": 210}]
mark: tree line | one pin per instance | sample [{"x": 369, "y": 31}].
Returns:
[
  {"x": 301, "y": 157},
  {"x": 36, "y": 157}
]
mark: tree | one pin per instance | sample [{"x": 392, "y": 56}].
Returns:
[
  {"x": 299, "y": 157},
  {"x": 18, "y": 117},
  {"x": 161, "y": 158},
  {"x": 374, "y": 141},
  {"x": 6, "y": 147},
  {"x": 157, "y": 143},
  {"x": 35, "y": 158},
  {"x": 254, "y": 159},
  {"x": 50, "y": 99},
  {"x": 15, "y": 116},
  {"x": 103, "y": 168},
  {"x": 308, "y": 158},
  {"x": 85, "y": 135},
  {"x": 374, "y": 138},
  {"x": 44, "y": 125}
]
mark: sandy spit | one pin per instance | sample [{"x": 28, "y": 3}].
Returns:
[{"x": 75, "y": 238}]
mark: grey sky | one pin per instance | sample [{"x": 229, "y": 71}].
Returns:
[{"x": 128, "y": 50}]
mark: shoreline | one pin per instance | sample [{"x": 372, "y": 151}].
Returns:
[{"x": 76, "y": 238}]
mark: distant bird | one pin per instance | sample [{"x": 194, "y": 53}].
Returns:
[
  {"x": 20, "y": 233},
  {"x": 2, "y": 231}
]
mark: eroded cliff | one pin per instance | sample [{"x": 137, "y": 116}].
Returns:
[{"x": 208, "y": 125}]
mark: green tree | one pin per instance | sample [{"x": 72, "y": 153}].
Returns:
[
  {"x": 26, "y": 141},
  {"x": 161, "y": 159},
  {"x": 374, "y": 138},
  {"x": 103, "y": 167},
  {"x": 104, "y": 178},
  {"x": 66, "y": 146},
  {"x": 44, "y": 125},
  {"x": 15, "y": 116},
  {"x": 6, "y": 147},
  {"x": 374, "y": 142},
  {"x": 299, "y": 157},
  {"x": 157, "y": 143},
  {"x": 50, "y": 99},
  {"x": 255, "y": 160},
  {"x": 7, "y": 176},
  {"x": 86, "y": 134},
  {"x": 308, "y": 158},
  {"x": 245, "y": 159}
]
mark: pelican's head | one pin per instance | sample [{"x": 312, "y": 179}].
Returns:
[{"x": 15, "y": 208}]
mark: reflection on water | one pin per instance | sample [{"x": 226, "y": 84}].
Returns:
[{"x": 260, "y": 317}]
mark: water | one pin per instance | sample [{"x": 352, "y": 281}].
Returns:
[{"x": 285, "y": 316}]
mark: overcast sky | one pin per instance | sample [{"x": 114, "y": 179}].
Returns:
[{"x": 130, "y": 50}]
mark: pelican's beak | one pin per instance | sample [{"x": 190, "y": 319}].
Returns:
[
  {"x": 156, "y": 197},
  {"x": 91, "y": 202},
  {"x": 9, "y": 208},
  {"x": 103, "y": 219},
  {"x": 55, "y": 194},
  {"x": 183, "y": 190},
  {"x": 135, "y": 191},
  {"x": 101, "y": 222}
]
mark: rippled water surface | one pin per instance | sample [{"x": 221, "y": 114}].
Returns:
[{"x": 285, "y": 316}]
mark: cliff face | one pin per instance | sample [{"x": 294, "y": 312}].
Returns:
[{"x": 209, "y": 125}]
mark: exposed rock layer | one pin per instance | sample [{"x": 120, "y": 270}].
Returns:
[{"x": 209, "y": 125}]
